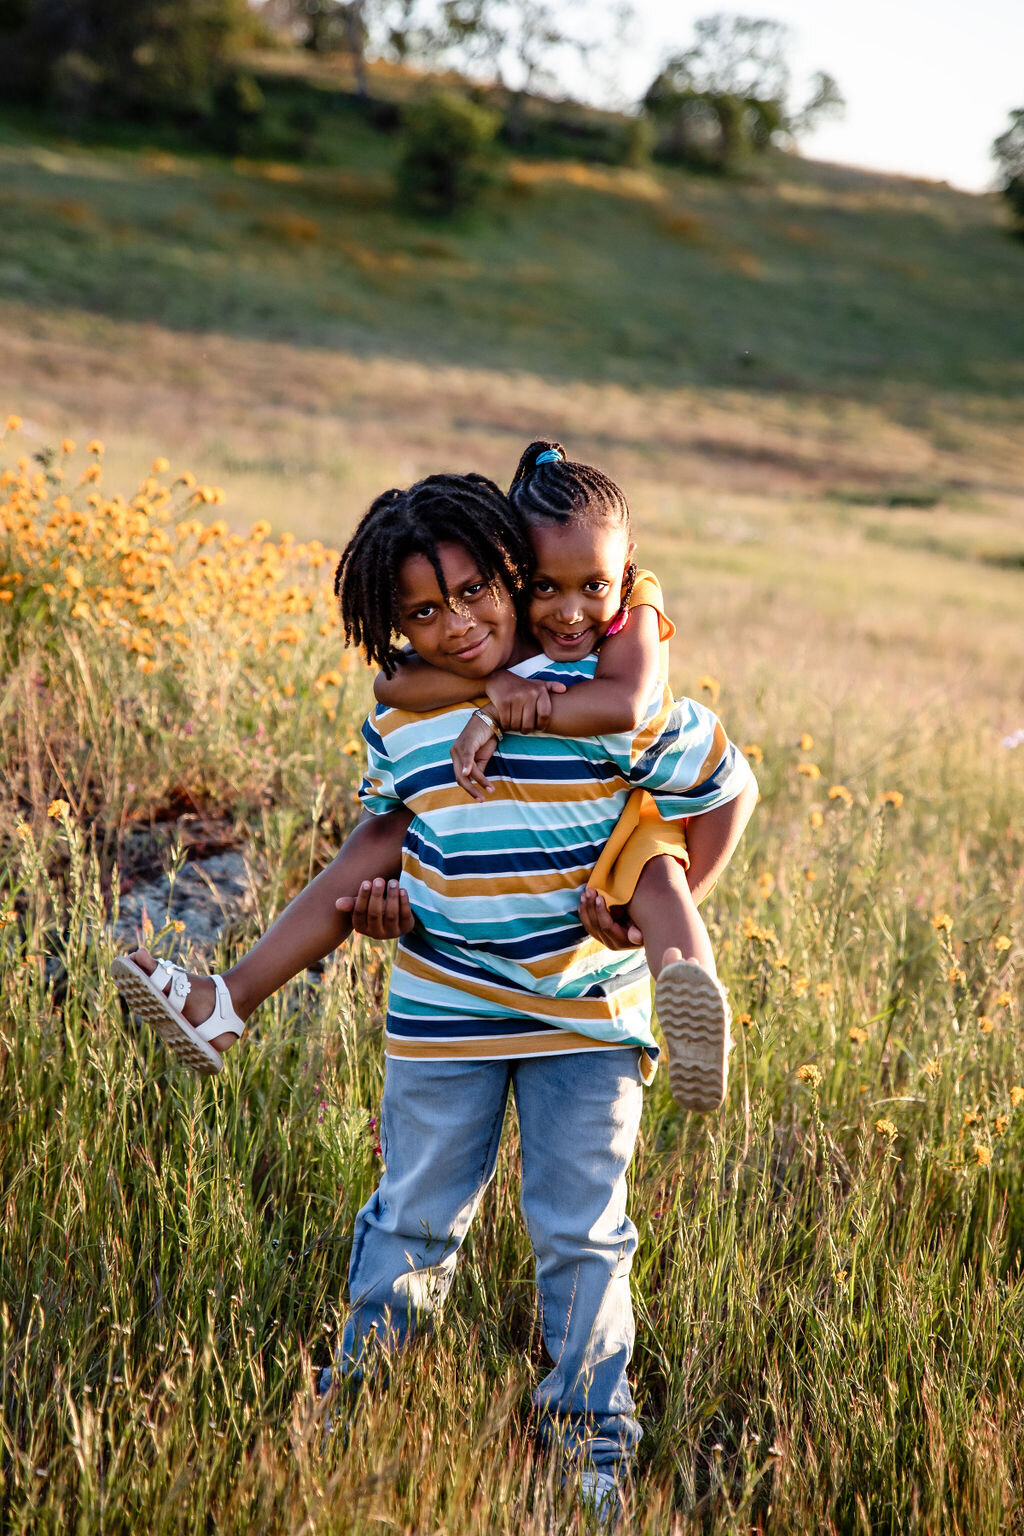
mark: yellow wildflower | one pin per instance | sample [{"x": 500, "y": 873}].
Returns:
[
  {"x": 810, "y": 875},
  {"x": 259, "y": 531},
  {"x": 1016, "y": 1095},
  {"x": 800, "y": 985},
  {"x": 809, "y": 770},
  {"x": 1000, "y": 1123},
  {"x": 955, "y": 976},
  {"x": 887, "y": 1128},
  {"x": 942, "y": 922},
  {"x": 1003, "y": 1000},
  {"x": 823, "y": 990},
  {"x": 971, "y": 1117},
  {"x": 806, "y": 741},
  {"x": 351, "y": 747},
  {"x": 73, "y": 576},
  {"x": 858, "y": 1034},
  {"x": 95, "y": 447},
  {"x": 178, "y": 925},
  {"x": 6, "y": 597},
  {"x": 841, "y": 1276},
  {"x": 933, "y": 1069},
  {"x": 6, "y": 918},
  {"x": 14, "y": 424},
  {"x": 744, "y": 1019},
  {"x": 160, "y": 466},
  {"x": 23, "y": 832},
  {"x": 67, "y": 445},
  {"x": 809, "y": 1074},
  {"x": 57, "y": 808},
  {"x": 985, "y": 1024},
  {"x": 766, "y": 883},
  {"x": 816, "y": 819},
  {"x": 983, "y": 1154},
  {"x": 709, "y": 684},
  {"x": 1002, "y": 943},
  {"x": 840, "y": 792},
  {"x": 893, "y": 797}
]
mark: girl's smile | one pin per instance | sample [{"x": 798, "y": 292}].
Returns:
[
  {"x": 576, "y": 588},
  {"x": 474, "y": 634}
]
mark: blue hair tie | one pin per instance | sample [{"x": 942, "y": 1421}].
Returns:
[{"x": 549, "y": 456}]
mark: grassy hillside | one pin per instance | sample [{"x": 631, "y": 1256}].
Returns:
[
  {"x": 811, "y": 388},
  {"x": 794, "y": 379}
]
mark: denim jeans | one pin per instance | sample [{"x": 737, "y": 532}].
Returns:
[{"x": 440, "y": 1128}]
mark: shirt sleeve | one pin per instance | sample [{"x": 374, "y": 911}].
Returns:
[
  {"x": 377, "y": 789},
  {"x": 647, "y": 593},
  {"x": 684, "y": 759}
]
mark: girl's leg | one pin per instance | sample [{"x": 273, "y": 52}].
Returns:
[
  {"x": 664, "y": 910},
  {"x": 574, "y": 1202},
  {"x": 691, "y": 1004},
  {"x": 309, "y": 928}
]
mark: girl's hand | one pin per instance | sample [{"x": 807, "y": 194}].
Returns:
[
  {"x": 470, "y": 753},
  {"x": 597, "y": 919},
  {"x": 519, "y": 703},
  {"x": 381, "y": 910}
]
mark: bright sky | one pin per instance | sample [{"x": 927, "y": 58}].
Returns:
[{"x": 928, "y": 83}]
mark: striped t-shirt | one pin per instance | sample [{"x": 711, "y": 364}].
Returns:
[{"x": 498, "y": 963}]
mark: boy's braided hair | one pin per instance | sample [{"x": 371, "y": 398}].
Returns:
[
  {"x": 442, "y": 509},
  {"x": 561, "y": 491}
]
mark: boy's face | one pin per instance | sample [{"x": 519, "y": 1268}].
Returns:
[
  {"x": 576, "y": 588},
  {"x": 475, "y": 636}
]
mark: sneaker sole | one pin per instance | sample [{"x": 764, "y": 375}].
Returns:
[
  {"x": 694, "y": 1018},
  {"x": 149, "y": 1004}
]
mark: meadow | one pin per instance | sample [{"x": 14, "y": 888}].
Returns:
[{"x": 821, "y": 442}]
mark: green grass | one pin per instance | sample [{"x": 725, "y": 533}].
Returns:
[{"x": 818, "y": 279}]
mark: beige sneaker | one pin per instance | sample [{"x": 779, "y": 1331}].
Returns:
[{"x": 694, "y": 1017}]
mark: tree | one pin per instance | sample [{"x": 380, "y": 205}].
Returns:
[
  {"x": 728, "y": 94},
  {"x": 444, "y": 163},
  {"x": 1008, "y": 150},
  {"x": 149, "y": 56}
]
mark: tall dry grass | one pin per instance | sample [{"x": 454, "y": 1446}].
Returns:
[{"x": 828, "y": 1284}]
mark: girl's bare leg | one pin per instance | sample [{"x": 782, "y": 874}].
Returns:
[
  {"x": 663, "y": 909},
  {"x": 309, "y": 928}
]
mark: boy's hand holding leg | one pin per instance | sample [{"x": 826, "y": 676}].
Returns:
[{"x": 381, "y": 910}]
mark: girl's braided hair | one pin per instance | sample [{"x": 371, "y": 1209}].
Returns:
[
  {"x": 561, "y": 491},
  {"x": 442, "y": 509}
]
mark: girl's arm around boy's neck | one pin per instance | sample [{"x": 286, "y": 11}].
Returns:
[
  {"x": 616, "y": 698},
  {"x": 417, "y": 687}
]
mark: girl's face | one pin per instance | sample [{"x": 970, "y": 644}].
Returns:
[
  {"x": 576, "y": 589},
  {"x": 474, "y": 638}
]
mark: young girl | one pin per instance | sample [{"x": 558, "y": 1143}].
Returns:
[{"x": 583, "y": 589}]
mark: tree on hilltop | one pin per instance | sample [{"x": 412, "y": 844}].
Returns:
[
  {"x": 728, "y": 94},
  {"x": 149, "y": 56},
  {"x": 1008, "y": 150}
]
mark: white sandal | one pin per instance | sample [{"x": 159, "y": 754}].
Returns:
[
  {"x": 146, "y": 997},
  {"x": 694, "y": 1017}
]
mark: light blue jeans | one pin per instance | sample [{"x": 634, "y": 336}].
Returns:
[{"x": 440, "y": 1128}]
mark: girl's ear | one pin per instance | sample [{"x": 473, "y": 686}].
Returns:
[{"x": 629, "y": 551}]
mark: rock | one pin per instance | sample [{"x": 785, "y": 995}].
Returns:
[{"x": 209, "y": 894}]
